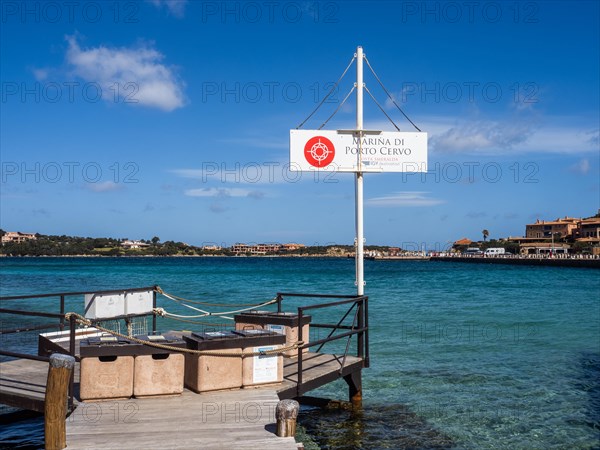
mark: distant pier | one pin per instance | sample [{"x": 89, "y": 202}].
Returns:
[{"x": 592, "y": 263}]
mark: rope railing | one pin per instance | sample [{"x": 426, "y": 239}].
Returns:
[
  {"x": 83, "y": 321},
  {"x": 205, "y": 313},
  {"x": 177, "y": 298}
]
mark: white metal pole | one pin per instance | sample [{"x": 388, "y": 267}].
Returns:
[{"x": 360, "y": 283}]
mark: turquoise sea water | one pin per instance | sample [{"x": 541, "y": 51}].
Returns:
[{"x": 462, "y": 355}]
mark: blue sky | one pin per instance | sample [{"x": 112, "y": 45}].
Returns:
[{"x": 172, "y": 118}]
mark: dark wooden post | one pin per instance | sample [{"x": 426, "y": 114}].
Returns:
[
  {"x": 55, "y": 406},
  {"x": 354, "y": 381},
  {"x": 287, "y": 413}
]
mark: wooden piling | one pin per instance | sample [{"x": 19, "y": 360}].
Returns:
[
  {"x": 354, "y": 381},
  {"x": 55, "y": 407},
  {"x": 286, "y": 413}
]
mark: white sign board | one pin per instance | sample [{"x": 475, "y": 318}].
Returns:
[
  {"x": 265, "y": 366},
  {"x": 331, "y": 150}
]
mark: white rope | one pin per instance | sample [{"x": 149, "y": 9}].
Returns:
[
  {"x": 207, "y": 313},
  {"x": 196, "y": 309},
  {"x": 168, "y": 314},
  {"x": 270, "y": 302},
  {"x": 181, "y": 303}
]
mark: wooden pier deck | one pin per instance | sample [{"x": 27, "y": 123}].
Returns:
[
  {"x": 240, "y": 419},
  {"x": 23, "y": 384},
  {"x": 318, "y": 369}
]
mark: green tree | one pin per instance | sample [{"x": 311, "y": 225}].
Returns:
[
  {"x": 485, "y": 233},
  {"x": 155, "y": 240}
]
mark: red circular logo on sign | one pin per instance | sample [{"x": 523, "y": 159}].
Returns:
[{"x": 319, "y": 151}]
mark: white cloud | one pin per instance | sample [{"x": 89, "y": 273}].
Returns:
[
  {"x": 594, "y": 137},
  {"x": 175, "y": 7},
  {"x": 582, "y": 167},
  {"x": 510, "y": 135},
  {"x": 106, "y": 186},
  {"x": 135, "y": 73},
  {"x": 40, "y": 74},
  {"x": 259, "y": 142},
  {"x": 223, "y": 192},
  {"x": 407, "y": 198},
  {"x": 481, "y": 135},
  {"x": 249, "y": 173}
]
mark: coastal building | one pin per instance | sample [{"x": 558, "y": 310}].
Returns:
[
  {"x": 549, "y": 236},
  {"x": 544, "y": 248},
  {"x": 561, "y": 236},
  {"x": 256, "y": 249},
  {"x": 588, "y": 235},
  {"x": 263, "y": 249},
  {"x": 130, "y": 245},
  {"x": 589, "y": 228},
  {"x": 292, "y": 246},
  {"x": 212, "y": 248},
  {"x": 394, "y": 251},
  {"x": 240, "y": 248},
  {"x": 461, "y": 245},
  {"x": 545, "y": 229},
  {"x": 17, "y": 237}
]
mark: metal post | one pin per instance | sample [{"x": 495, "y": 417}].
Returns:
[
  {"x": 154, "y": 309},
  {"x": 360, "y": 341},
  {"x": 72, "y": 331},
  {"x": 299, "y": 392},
  {"x": 366, "y": 310},
  {"x": 62, "y": 311},
  {"x": 360, "y": 288}
]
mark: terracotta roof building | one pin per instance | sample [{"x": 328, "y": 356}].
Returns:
[{"x": 17, "y": 237}]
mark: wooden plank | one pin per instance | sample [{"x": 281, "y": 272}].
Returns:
[
  {"x": 317, "y": 370},
  {"x": 241, "y": 419},
  {"x": 23, "y": 384}
]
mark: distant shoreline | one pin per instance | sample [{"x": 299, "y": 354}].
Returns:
[
  {"x": 177, "y": 256},
  {"x": 524, "y": 261},
  {"x": 592, "y": 263}
]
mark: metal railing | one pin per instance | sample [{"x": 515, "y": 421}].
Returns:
[
  {"x": 357, "y": 310},
  {"x": 61, "y": 322},
  {"x": 359, "y": 305}
]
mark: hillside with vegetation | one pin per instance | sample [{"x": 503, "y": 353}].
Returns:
[{"x": 51, "y": 245}]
